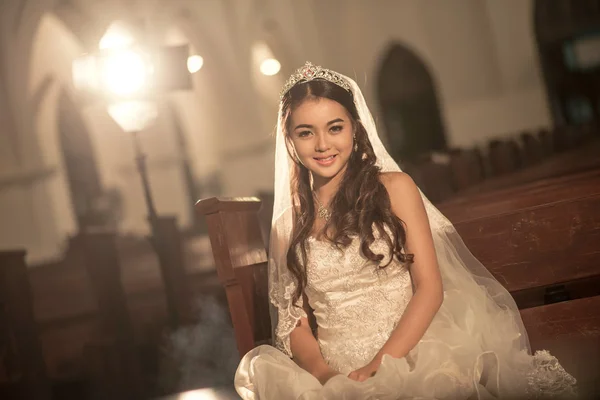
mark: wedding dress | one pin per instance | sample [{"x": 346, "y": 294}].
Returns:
[
  {"x": 357, "y": 307},
  {"x": 475, "y": 348}
]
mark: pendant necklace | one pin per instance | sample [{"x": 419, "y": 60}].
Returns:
[{"x": 322, "y": 212}]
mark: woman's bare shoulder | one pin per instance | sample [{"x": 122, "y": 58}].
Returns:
[
  {"x": 404, "y": 193},
  {"x": 394, "y": 181}
]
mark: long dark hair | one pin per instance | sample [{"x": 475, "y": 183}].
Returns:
[{"x": 361, "y": 203}]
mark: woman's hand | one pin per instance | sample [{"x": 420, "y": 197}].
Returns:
[{"x": 365, "y": 372}]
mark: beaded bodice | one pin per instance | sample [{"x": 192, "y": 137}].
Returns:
[{"x": 356, "y": 304}]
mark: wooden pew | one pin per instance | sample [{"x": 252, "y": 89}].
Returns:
[
  {"x": 570, "y": 328},
  {"x": 99, "y": 256},
  {"x": 504, "y": 156},
  {"x": 533, "y": 149},
  {"x": 543, "y": 191},
  {"x": 241, "y": 261},
  {"x": 545, "y": 138},
  {"x": 466, "y": 168},
  {"x": 70, "y": 320},
  {"x": 169, "y": 248},
  {"x": 19, "y": 331},
  {"x": 579, "y": 160},
  {"x": 528, "y": 235},
  {"x": 433, "y": 174}
]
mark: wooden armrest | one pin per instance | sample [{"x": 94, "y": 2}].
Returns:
[{"x": 214, "y": 205}]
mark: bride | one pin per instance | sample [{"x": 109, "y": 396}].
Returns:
[{"x": 374, "y": 294}]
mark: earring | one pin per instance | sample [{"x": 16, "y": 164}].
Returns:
[{"x": 355, "y": 143}]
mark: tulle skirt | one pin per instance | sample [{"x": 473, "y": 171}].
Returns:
[{"x": 431, "y": 371}]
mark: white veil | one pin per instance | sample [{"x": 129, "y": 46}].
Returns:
[{"x": 472, "y": 295}]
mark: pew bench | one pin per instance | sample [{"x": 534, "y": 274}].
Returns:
[
  {"x": 575, "y": 161},
  {"x": 74, "y": 315},
  {"x": 25, "y": 372},
  {"x": 538, "y": 238},
  {"x": 567, "y": 327}
]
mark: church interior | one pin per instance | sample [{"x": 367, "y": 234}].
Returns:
[{"x": 134, "y": 212}]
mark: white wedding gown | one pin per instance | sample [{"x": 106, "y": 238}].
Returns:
[{"x": 357, "y": 307}]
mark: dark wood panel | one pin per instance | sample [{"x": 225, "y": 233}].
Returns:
[
  {"x": 536, "y": 194},
  {"x": 545, "y": 245},
  {"x": 571, "y": 332},
  {"x": 579, "y": 160},
  {"x": 19, "y": 332}
]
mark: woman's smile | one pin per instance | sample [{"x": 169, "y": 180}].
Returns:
[{"x": 325, "y": 161}]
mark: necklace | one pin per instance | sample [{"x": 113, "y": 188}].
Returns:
[{"x": 322, "y": 211}]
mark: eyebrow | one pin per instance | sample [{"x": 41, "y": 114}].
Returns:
[{"x": 333, "y": 121}]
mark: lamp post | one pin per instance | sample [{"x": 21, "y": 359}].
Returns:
[
  {"x": 127, "y": 79},
  {"x": 133, "y": 117},
  {"x": 140, "y": 161}
]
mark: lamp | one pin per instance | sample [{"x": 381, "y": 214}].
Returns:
[
  {"x": 134, "y": 116},
  {"x": 127, "y": 78},
  {"x": 263, "y": 57},
  {"x": 121, "y": 74}
]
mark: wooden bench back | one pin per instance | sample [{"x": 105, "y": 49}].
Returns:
[
  {"x": 18, "y": 328},
  {"x": 544, "y": 191},
  {"x": 99, "y": 255},
  {"x": 504, "y": 156},
  {"x": 466, "y": 168},
  {"x": 433, "y": 176},
  {"x": 535, "y": 236},
  {"x": 582, "y": 159},
  {"x": 241, "y": 261}
]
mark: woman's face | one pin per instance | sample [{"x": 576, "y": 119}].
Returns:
[{"x": 321, "y": 132}]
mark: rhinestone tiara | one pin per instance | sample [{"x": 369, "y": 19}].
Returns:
[{"x": 308, "y": 72}]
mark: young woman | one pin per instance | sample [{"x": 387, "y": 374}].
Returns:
[{"x": 402, "y": 308}]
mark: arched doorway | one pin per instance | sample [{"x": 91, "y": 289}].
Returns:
[
  {"x": 410, "y": 106},
  {"x": 79, "y": 161}
]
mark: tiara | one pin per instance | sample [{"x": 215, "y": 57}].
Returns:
[{"x": 308, "y": 72}]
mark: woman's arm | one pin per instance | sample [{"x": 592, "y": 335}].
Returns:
[
  {"x": 408, "y": 205},
  {"x": 306, "y": 351}
]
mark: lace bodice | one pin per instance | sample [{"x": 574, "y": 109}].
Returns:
[{"x": 356, "y": 305}]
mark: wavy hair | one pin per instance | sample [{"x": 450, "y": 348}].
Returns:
[{"x": 361, "y": 204}]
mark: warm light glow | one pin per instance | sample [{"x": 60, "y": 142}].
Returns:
[
  {"x": 270, "y": 67},
  {"x": 85, "y": 73},
  {"x": 133, "y": 116},
  {"x": 116, "y": 36},
  {"x": 124, "y": 73},
  {"x": 201, "y": 394},
  {"x": 194, "y": 63}
]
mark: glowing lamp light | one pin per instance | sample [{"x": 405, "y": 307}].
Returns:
[
  {"x": 116, "y": 36},
  {"x": 121, "y": 69},
  {"x": 125, "y": 72},
  {"x": 85, "y": 73},
  {"x": 201, "y": 394},
  {"x": 133, "y": 116},
  {"x": 270, "y": 67},
  {"x": 194, "y": 63}
]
